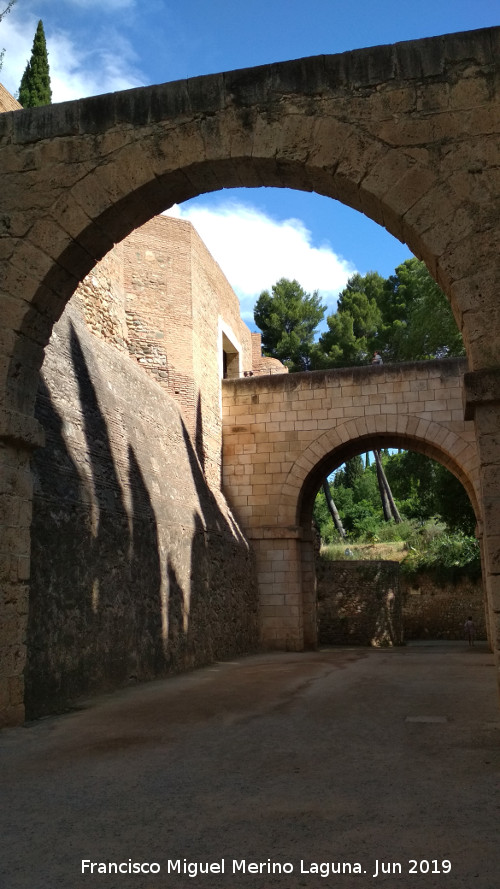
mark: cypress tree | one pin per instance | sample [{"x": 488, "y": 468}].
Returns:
[{"x": 35, "y": 84}]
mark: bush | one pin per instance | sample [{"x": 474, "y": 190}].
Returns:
[
  {"x": 391, "y": 532},
  {"x": 447, "y": 556}
]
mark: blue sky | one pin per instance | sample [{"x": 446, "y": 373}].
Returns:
[{"x": 256, "y": 235}]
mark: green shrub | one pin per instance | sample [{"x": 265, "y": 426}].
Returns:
[{"x": 447, "y": 556}]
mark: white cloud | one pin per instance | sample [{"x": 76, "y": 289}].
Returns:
[
  {"x": 254, "y": 251},
  {"x": 75, "y": 71},
  {"x": 104, "y": 68}
]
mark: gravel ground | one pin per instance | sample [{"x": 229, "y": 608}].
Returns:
[{"x": 336, "y": 768}]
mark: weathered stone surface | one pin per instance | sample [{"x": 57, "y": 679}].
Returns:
[
  {"x": 137, "y": 568},
  {"x": 375, "y": 603},
  {"x": 359, "y": 603},
  {"x": 433, "y": 610}
]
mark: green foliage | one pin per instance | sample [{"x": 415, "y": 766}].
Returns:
[
  {"x": 35, "y": 83},
  {"x": 418, "y": 321},
  {"x": 323, "y": 520},
  {"x": 288, "y": 318},
  {"x": 352, "y": 330},
  {"x": 406, "y": 318},
  {"x": 426, "y": 494},
  {"x": 392, "y": 532},
  {"x": 424, "y": 488},
  {"x": 448, "y": 557},
  {"x": 356, "y": 496},
  {"x": 353, "y": 471}
]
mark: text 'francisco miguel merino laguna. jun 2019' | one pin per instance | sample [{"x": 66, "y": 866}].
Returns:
[{"x": 241, "y": 867}]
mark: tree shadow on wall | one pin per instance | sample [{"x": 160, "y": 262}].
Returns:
[
  {"x": 223, "y": 599},
  {"x": 97, "y": 617},
  {"x": 198, "y": 438},
  {"x": 212, "y": 515},
  {"x": 95, "y": 601},
  {"x": 145, "y": 575}
]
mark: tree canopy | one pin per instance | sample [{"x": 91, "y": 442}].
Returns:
[
  {"x": 288, "y": 318},
  {"x": 35, "y": 83},
  {"x": 424, "y": 489},
  {"x": 406, "y": 317}
]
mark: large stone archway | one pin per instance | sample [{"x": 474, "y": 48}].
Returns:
[
  {"x": 407, "y": 134},
  {"x": 282, "y": 435}
]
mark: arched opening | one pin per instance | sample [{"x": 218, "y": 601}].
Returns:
[
  {"x": 87, "y": 174},
  {"x": 143, "y": 304},
  {"x": 382, "y": 627},
  {"x": 387, "y": 583}
]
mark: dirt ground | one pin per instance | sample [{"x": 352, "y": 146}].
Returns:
[{"x": 354, "y": 760}]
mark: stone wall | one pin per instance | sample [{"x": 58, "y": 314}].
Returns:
[
  {"x": 101, "y": 300},
  {"x": 375, "y": 603},
  {"x": 438, "y": 610},
  {"x": 138, "y": 567},
  {"x": 359, "y": 603}
]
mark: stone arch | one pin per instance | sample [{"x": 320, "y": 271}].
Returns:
[
  {"x": 406, "y": 134},
  {"x": 451, "y": 448},
  {"x": 389, "y": 131}
]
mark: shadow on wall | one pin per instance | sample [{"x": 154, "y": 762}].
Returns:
[
  {"x": 107, "y": 605},
  {"x": 359, "y": 603},
  {"x": 199, "y": 443}
]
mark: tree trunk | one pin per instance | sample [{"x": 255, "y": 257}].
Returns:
[
  {"x": 393, "y": 510},
  {"x": 383, "y": 490},
  {"x": 337, "y": 521}
]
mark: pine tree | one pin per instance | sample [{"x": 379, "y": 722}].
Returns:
[{"x": 35, "y": 84}]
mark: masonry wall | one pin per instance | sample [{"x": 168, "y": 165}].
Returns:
[
  {"x": 438, "y": 610},
  {"x": 138, "y": 567},
  {"x": 215, "y": 309},
  {"x": 359, "y": 603},
  {"x": 101, "y": 300},
  {"x": 159, "y": 307},
  {"x": 375, "y": 603},
  {"x": 160, "y": 296}
]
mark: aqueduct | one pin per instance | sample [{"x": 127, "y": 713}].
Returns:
[{"x": 407, "y": 134}]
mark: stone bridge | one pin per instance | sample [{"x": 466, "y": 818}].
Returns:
[
  {"x": 283, "y": 434},
  {"x": 407, "y": 134}
]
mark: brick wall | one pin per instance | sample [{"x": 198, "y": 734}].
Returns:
[
  {"x": 138, "y": 567},
  {"x": 215, "y": 309},
  {"x": 158, "y": 303},
  {"x": 161, "y": 296}
]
